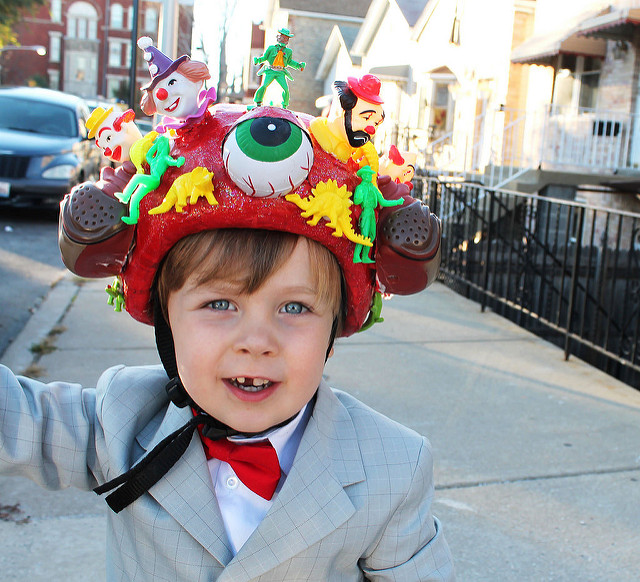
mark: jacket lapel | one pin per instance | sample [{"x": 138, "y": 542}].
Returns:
[
  {"x": 312, "y": 502},
  {"x": 186, "y": 491}
]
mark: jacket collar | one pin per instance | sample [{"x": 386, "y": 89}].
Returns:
[{"x": 311, "y": 504}]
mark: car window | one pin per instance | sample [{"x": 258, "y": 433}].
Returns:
[{"x": 37, "y": 117}]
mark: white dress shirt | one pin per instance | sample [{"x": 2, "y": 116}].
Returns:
[{"x": 242, "y": 510}]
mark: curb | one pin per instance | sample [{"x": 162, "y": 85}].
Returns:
[{"x": 18, "y": 356}]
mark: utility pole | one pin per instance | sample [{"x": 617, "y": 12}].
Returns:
[{"x": 168, "y": 33}]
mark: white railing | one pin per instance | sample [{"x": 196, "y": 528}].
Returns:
[{"x": 555, "y": 138}]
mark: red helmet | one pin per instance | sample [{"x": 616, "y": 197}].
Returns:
[{"x": 262, "y": 167}]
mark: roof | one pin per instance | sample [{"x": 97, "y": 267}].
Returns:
[
  {"x": 618, "y": 24},
  {"x": 351, "y": 8},
  {"x": 393, "y": 72},
  {"x": 542, "y": 48},
  {"x": 412, "y": 9}
]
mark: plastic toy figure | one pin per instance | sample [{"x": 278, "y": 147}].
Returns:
[
  {"x": 278, "y": 57},
  {"x": 114, "y": 133},
  {"x": 176, "y": 87},
  {"x": 400, "y": 166},
  {"x": 159, "y": 159},
  {"x": 347, "y": 132},
  {"x": 368, "y": 197}
]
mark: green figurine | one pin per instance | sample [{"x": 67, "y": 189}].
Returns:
[
  {"x": 278, "y": 57},
  {"x": 374, "y": 314},
  {"x": 368, "y": 197},
  {"x": 116, "y": 294},
  {"x": 159, "y": 159}
]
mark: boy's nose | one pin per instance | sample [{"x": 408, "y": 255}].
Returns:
[{"x": 257, "y": 338}]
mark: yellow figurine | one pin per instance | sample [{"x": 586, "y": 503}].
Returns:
[
  {"x": 194, "y": 185},
  {"x": 333, "y": 202}
]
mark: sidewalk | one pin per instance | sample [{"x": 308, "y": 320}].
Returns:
[{"x": 537, "y": 460}]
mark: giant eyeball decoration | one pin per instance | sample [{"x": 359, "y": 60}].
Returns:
[{"x": 268, "y": 156}]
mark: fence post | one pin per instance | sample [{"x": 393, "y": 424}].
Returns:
[
  {"x": 485, "y": 269},
  {"x": 574, "y": 282}
]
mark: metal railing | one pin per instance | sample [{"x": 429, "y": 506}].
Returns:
[{"x": 563, "y": 270}]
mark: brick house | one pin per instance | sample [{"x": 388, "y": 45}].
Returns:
[{"x": 88, "y": 45}]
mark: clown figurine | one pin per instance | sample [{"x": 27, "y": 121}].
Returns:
[
  {"x": 278, "y": 57},
  {"x": 400, "y": 166},
  {"x": 347, "y": 132},
  {"x": 176, "y": 87},
  {"x": 114, "y": 133}
]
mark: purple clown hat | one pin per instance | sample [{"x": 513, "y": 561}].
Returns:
[{"x": 160, "y": 65}]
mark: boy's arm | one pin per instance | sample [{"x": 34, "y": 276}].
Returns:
[
  {"x": 47, "y": 432},
  {"x": 412, "y": 547}
]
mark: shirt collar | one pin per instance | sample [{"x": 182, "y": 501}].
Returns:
[{"x": 284, "y": 439}]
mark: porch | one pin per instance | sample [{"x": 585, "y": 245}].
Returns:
[{"x": 527, "y": 150}]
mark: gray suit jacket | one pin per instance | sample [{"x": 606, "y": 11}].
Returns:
[{"x": 356, "y": 504}]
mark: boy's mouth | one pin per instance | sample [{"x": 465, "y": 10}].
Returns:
[{"x": 250, "y": 384}]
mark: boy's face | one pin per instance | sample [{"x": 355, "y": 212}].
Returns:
[{"x": 252, "y": 361}]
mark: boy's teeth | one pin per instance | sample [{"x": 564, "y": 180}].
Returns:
[{"x": 250, "y": 384}]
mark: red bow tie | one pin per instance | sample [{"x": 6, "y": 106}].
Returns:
[{"x": 256, "y": 463}]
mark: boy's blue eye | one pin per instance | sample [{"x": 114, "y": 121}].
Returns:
[
  {"x": 294, "y": 308},
  {"x": 220, "y": 305}
]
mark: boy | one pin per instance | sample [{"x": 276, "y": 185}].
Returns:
[{"x": 245, "y": 465}]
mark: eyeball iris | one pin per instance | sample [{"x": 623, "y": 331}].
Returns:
[{"x": 267, "y": 156}]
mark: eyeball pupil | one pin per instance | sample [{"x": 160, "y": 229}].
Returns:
[{"x": 270, "y": 131}]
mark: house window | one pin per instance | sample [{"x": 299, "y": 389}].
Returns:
[
  {"x": 56, "y": 10},
  {"x": 130, "y": 18},
  {"x": 54, "y": 48},
  {"x": 54, "y": 79},
  {"x": 442, "y": 109},
  {"x": 117, "y": 15},
  {"x": 115, "y": 54},
  {"x": 576, "y": 82},
  {"x": 82, "y": 21},
  {"x": 151, "y": 19}
]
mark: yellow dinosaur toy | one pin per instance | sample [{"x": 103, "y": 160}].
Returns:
[
  {"x": 331, "y": 202},
  {"x": 193, "y": 185}
]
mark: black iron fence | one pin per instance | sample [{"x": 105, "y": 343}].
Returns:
[{"x": 566, "y": 271}]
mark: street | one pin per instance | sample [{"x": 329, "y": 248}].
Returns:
[{"x": 29, "y": 264}]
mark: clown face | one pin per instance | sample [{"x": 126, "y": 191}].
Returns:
[
  {"x": 361, "y": 122},
  {"x": 176, "y": 96},
  {"x": 116, "y": 137}
]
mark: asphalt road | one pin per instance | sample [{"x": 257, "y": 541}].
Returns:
[{"x": 29, "y": 264}]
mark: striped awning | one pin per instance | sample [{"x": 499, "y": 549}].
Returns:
[
  {"x": 618, "y": 24},
  {"x": 543, "y": 48}
]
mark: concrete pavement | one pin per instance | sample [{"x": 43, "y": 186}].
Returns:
[{"x": 537, "y": 460}]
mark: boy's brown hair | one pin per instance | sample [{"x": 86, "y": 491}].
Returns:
[{"x": 249, "y": 257}]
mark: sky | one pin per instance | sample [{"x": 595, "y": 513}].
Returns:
[{"x": 208, "y": 17}]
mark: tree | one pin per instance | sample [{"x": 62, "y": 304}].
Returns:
[
  {"x": 11, "y": 12},
  {"x": 227, "y": 14}
]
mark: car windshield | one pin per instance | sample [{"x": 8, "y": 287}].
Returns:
[{"x": 37, "y": 117}]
